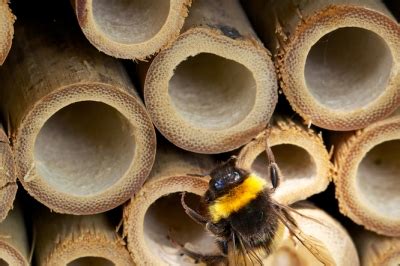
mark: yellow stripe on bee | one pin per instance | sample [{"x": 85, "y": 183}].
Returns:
[{"x": 236, "y": 198}]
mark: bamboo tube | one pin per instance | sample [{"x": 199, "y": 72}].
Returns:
[
  {"x": 131, "y": 29},
  {"x": 14, "y": 246},
  {"x": 8, "y": 185},
  {"x": 377, "y": 249},
  {"x": 301, "y": 155},
  {"x": 215, "y": 88},
  {"x": 338, "y": 60},
  {"x": 83, "y": 140},
  {"x": 6, "y": 30},
  {"x": 78, "y": 240},
  {"x": 367, "y": 180},
  {"x": 155, "y": 213}
]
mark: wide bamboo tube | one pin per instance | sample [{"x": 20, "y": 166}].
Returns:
[
  {"x": 83, "y": 140},
  {"x": 14, "y": 245},
  {"x": 377, "y": 249},
  {"x": 367, "y": 180},
  {"x": 155, "y": 213},
  {"x": 215, "y": 88},
  {"x": 131, "y": 29},
  {"x": 338, "y": 61},
  {"x": 300, "y": 154},
  {"x": 78, "y": 240},
  {"x": 6, "y": 29},
  {"x": 8, "y": 182}
]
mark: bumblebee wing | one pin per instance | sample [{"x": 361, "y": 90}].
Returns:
[{"x": 313, "y": 245}]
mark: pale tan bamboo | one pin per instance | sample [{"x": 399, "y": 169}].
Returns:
[
  {"x": 6, "y": 29},
  {"x": 8, "y": 182},
  {"x": 155, "y": 213},
  {"x": 338, "y": 61},
  {"x": 367, "y": 180},
  {"x": 78, "y": 240},
  {"x": 301, "y": 155},
  {"x": 377, "y": 250},
  {"x": 131, "y": 29},
  {"x": 215, "y": 88},
  {"x": 14, "y": 245},
  {"x": 83, "y": 140}
]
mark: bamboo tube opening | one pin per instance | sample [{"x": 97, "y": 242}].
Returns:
[
  {"x": 3, "y": 263},
  {"x": 378, "y": 178},
  {"x": 348, "y": 68},
  {"x": 89, "y": 261},
  {"x": 84, "y": 148},
  {"x": 213, "y": 92},
  {"x": 130, "y": 21}
]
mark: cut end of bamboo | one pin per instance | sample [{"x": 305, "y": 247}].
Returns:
[
  {"x": 340, "y": 67},
  {"x": 301, "y": 156},
  {"x": 6, "y": 30},
  {"x": 213, "y": 97},
  {"x": 85, "y": 149},
  {"x": 367, "y": 181},
  {"x": 131, "y": 29}
]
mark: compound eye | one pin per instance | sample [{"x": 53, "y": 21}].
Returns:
[
  {"x": 219, "y": 184},
  {"x": 235, "y": 176}
]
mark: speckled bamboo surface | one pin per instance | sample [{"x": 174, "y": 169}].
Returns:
[{"x": 6, "y": 29}]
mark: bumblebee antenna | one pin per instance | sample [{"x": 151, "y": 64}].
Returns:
[{"x": 273, "y": 169}]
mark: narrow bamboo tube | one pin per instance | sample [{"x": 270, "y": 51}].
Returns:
[
  {"x": 6, "y": 30},
  {"x": 8, "y": 182},
  {"x": 131, "y": 29},
  {"x": 14, "y": 245},
  {"x": 377, "y": 249},
  {"x": 300, "y": 154},
  {"x": 338, "y": 61},
  {"x": 83, "y": 140},
  {"x": 367, "y": 180},
  {"x": 215, "y": 88},
  {"x": 78, "y": 240},
  {"x": 155, "y": 213}
]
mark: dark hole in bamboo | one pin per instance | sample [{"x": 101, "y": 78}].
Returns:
[
  {"x": 3, "y": 263},
  {"x": 91, "y": 261}
]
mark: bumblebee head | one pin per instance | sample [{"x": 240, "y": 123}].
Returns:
[{"x": 224, "y": 178}]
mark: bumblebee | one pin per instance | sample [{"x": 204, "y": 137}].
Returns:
[{"x": 245, "y": 219}]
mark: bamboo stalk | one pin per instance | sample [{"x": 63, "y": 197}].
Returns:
[
  {"x": 6, "y": 30},
  {"x": 301, "y": 155},
  {"x": 155, "y": 213},
  {"x": 215, "y": 88},
  {"x": 367, "y": 179},
  {"x": 338, "y": 61},
  {"x": 377, "y": 249},
  {"x": 14, "y": 245},
  {"x": 78, "y": 240},
  {"x": 83, "y": 140},
  {"x": 8, "y": 182},
  {"x": 131, "y": 29}
]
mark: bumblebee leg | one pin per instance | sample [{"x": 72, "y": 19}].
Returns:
[
  {"x": 195, "y": 216},
  {"x": 274, "y": 171},
  {"x": 209, "y": 259},
  {"x": 219, "y": 229}
]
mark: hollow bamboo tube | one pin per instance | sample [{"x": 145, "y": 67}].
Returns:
[
  {"x": 155, "y": 213},
  {"x": 78, "y": 240},
  {"x": 367, "y": 179},
  {"x": 131, "y": 29},
  {"x": 14, "y": 245},
  {"x": 338, "y": 61},
  {"x": 6, "y": 30},
  {"x": 377, "y": 249},
  {"x": 8, "y": 182},
  {"x": 215, "y": 88},
  {"x": 83, "y": 140},
  {"x": 301, "y": 155}
]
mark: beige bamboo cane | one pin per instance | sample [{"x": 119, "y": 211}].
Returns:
[
  {"x": 367, "y": 180},
  {"x": 338, "y": 61},
  {"x": 8, "y": 182},
  {"x": 131, "y": 29},
  {"x": 82, "y": 138},
  {"x": 301, "y": 155},
  {"x": 78, "y": 240},
  {"x": 215, "y": 88},
  {"x": 14, "y": 245},
  {"x": 155, "y": 213},
  {"x": 377, "y": 250},
  {"x": 6, "y": 29}
]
